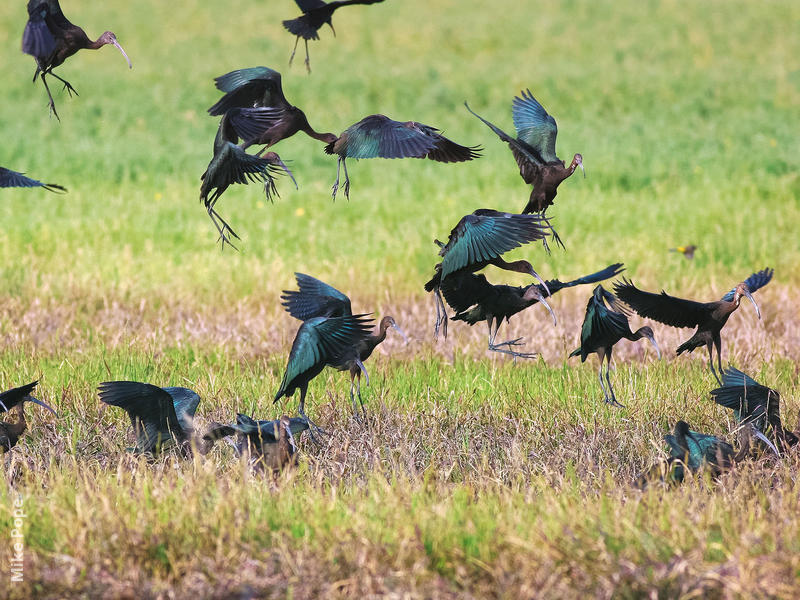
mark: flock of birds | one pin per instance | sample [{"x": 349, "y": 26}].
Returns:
[{"x": 255, "y": 112}]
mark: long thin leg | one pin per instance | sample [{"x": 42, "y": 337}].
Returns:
[
  {"x": 67, "y": 85},
  {"x": 311, "y": 425},
  {"x": 556, "y": 237},
  {"x": 711, "y": 362},
  {"x": 718, "y": 344},
  {"x": 441, "y": 314},
  {"x": 346, "y": 180},
  {"x": 291, "y": 58},
  {"x": 336, "y": 183},
  {"x": 498, "y": 346},
  {"x": 613, "y": 400},
  {"x": 308, "y": 58},
  {"x": 222, "y": 228},
  {"x": 49, "y": 95},
  {"x": 363, "y": 410},
  {"x": 601, "y": 354},
  {"x": 352, "y": 390}
]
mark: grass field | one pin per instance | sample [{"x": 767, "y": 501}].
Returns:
[{"x": 474, "y": 476}]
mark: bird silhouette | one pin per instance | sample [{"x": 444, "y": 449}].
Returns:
[
  {"x": 12, "y": 402},
  {"x": 9, "y": 178},
  {"x": 51, "y": 39}
]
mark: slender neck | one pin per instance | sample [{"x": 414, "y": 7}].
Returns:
[
  {"x": 519, "y": 266},
  {"x": 95, "y": 45},
  {"x": 19, "y": 425}
]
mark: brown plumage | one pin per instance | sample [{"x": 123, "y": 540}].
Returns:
[
  {"x": 12, "y": 402},
  {"x": 51, "y": 39},
  {"x": 708, "y": 317}
]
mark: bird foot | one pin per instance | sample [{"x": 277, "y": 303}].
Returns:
[
  {"x": 613, "y": 402},
  {"x": 53, "y": 111},
  {"x": 308, "y": 64},
  {"x": 509, "y": 343},
  {"x": 70, "y": 90},
  {"x": 514, "y": 354},
  {"x": 334, "y": 189}
]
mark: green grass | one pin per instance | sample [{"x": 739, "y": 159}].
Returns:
[{"x": 475, "y": 477}]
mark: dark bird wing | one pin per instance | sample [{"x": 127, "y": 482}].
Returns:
[
  {"x": 234, "y": 165},
  {"x": 37, "y": 39},
  {"x": 314, "y": 298},
  {"x": 16, "y": 395},
  {"x": 527, "y": 156},
  {"x": 150, "y": 408},
  {"x": 676, "y": 312},
  {"x": 743, "y": 394},
  {"x": 487, "y": 234},
  {"x": 251, "y": 123},
  {"x": 534, "y": 126},
  {"x": 601, "y": 326},
  {"x": 463, "y": 290},
  {"x": 755, "y": 282},
  {"x": 307, "y": 5},
  {"x": 320, "y": 341},
  {"x": 185, "y": 402},
  {"x": 246, "y": 88},
  {"x": 610, "y": 271},
  {"x": 9, "y": 178}
]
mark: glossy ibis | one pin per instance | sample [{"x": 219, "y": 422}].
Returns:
[
  {"x": 268, "y": 444},
  {"x": 315, "y": 298},
  {"x": 480, "y": 239},
  {"x": 687, "y": 251},
  {"x": 708, "y": 317},
  {"x": 475, "y": 299},
  {"x": 534, "y": 149},
  {"x": 14, "y": 400},
  {"x": 316, "y": 13},
  {"x": 9, "y": 178},
  {"x": 602, "y": 328},
  {"x": 378, "y": 136},
  {"x": 754, "y": 405},
  {"x": 230, "y": 164},
  {"x": 319, "y": 342},
  {"x": 161, "y": 417},
  {"x": 693, "y": 451},
  {"x": 253, "y": 91},
  {"x": 51, "y": 39}
]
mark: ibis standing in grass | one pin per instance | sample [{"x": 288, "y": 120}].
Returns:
[
  {"x": 315, "y": 298},
  {"x": 478, "y": 240},
  {"x": 708, "y": 317},
  {"x": 319, "y": 342},
  {"x": 51, "y": 39},
  {"x": 14, "y": 400},
  {"x": 534, "y": 149},
  {"x": 316, "y": 13},
  {"x": 602, "y": 328},
  {"x": 378, "y": 136}
]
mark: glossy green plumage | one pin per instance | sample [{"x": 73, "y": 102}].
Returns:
[{"x": 534, "y": 126}]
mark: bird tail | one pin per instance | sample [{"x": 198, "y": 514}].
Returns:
[
  {"x": 576, "y": 352},
  {"x": 37, "y": 39},
  {"x": 329, "y": 148},
  {"x": 607, "y": 273},
  {"x": 689, "y": 346}
]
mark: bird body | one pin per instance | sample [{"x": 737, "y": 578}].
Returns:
[
  {"x": 320, "y": 341},
  {"x": 249, "y": 88},
  {"x": 378, "y": 136},
  {"x": 316, "y": 299},
  {"x": 478, "y": 240},
  {"x": 534, "y": 149},
  {"x": 51, "y": 39},
  {"x": 316, "y": 13},
  {"x": 268, "y": 444},
  {"x": 602, "y": 329},
  {"x": 230, "y": 164},
  {"x": 9, "y": 178},
  {"x": 12, "y": 402},
  {"x": 708, "y": 317},
  {"x": 161, "y": 417},
  {"x": 286, "y": 122},
  {"x": 687, "y": 251}
]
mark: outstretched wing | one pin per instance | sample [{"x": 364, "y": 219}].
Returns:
[
  {"x": 307, "y": 5},
  {"x": 676, "y": 312},
  {"x": 601, "y": 326},
  {"x": 314, "y": 298},
  {"x": 14, "y": 396},
  {"x": 246, "y": 88},
  {"x": 755, "y": 282},
  {"x": 185, "y": 402},
  {"x": 37, "y": 39},
  {"x": 487, "y": 234},
  {"x": 251, "y": 123},
  {"x": 150, "y": 409},
  {"x": 527, "y": 157},
  {"x": 462, "y": 291},
  {"x": 320, "y": 341},
  {"x": 743, "y": 394},
  {"x": 9, "y": 178},
  {"x": 534, "y": 126},
  {"x": 610, "y": 271},
  {"x": 233, "y": 165}
]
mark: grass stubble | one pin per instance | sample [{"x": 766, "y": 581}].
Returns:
[{"x": 474, "y": 476}]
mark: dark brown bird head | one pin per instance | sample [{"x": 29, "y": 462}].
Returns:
[
  {"x": 648, "y": 333},
  {"x": 329, "y": 138},
  {"x": 534, "y": 294},
  {"x": 387, "y": 322},
  {"x": 743, "y": 290},
  {"x": 109, "y": 38}
]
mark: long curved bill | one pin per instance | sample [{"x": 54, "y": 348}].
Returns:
[
  {"x": 542, "y": 281},
  {"x": 3, "y": 404},
  {"x": 290, "y": 436},
  {"x": 288, "y": 172},
  {"x": 580, "y": 164},
  {"x": 401, "y": 332},
  {"x": 363, "y": 369},
  {"x": 116, "y": 43},
  {"x": 40, "y": 403},
  {"x": 766, "y": 440},
  {"x": 547, "y": 306},
  {"x": 653, "y": 341},
  {"x": 750, "y": 297}
]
